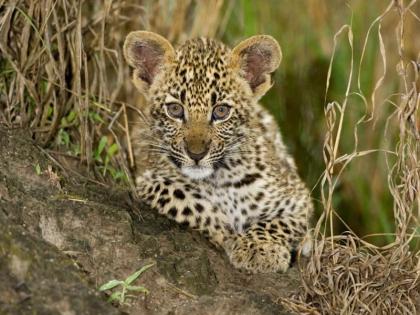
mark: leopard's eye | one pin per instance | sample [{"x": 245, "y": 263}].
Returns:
[
  {"x": 175, "y": 110},
  {"x": 221, "y": 112}
]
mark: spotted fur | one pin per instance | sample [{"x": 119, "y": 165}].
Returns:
[{"x": 231, "y": 179}]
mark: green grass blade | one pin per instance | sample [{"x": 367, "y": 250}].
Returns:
[
  {"x": 116, "y": 296},
  {"x": 137, "y": 289},
  {"x": 135, "y": 275},
  {"x": 110, "y": 284}
]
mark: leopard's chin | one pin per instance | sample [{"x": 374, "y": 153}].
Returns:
[{"x": 197, "y": 172}]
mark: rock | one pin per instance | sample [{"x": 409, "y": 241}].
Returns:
[
  {"x": 60, "y": 241},
  {"x": 36, "y": 278}
]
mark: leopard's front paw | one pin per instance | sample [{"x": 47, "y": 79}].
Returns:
[{"x": 256, "y": 255}]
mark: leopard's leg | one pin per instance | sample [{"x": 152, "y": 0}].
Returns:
[
  {"x": 267, "y": 244},
  {"x": 186, "y": 204}
]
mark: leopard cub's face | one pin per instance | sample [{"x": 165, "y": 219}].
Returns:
[
  {"x": 201, "y": 97},
  {"x": 199, "y": 110}
]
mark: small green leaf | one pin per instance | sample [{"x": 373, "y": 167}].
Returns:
[
  {"x": 137, "y": 289},
  {"x": 63, "y": 123},
  {"x": 38, "y": 169},
  {"x": 110, "y": 284},
  {"x": 115, "y": 296},
  {"x": 63, "y": 137},
  {"x": 95, "y": 117},
  {"x": 118, "y": 175},
  {"x": 50, "y": 111},
  {"x": 71, "y": 116},
  {"x": 44, "y": 86},
  {"x": 135, "y": 275},
  {"x": 102, "y": 144},
  {"x": 112, "y": 149},
  {"x": 75, "y": 150},
  {"x": 100, "y": 148}
]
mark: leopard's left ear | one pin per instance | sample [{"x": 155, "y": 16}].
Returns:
[{"x": 256, "y": 58}]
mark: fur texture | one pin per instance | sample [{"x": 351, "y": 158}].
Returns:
[{"x": 209, "y": 156}]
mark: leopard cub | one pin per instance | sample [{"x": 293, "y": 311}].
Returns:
[{"x": 208, "y": 155}]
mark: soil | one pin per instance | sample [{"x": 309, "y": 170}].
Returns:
[{"x": 61, "y": 238}]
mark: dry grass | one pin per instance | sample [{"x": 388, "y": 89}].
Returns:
[
  {"x": 64, "y": 78},
  {"x": 63, "y": 75},
  {"x": 346, "y": 274}
]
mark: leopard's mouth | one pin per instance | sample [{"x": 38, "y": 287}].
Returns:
[
  {"x": 194, "y": 170},
  {"x": 197, "y": 171}
]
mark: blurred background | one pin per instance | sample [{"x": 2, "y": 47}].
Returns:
[
  {"x": 63, "y": 76},
  {"x": 305, "y": 30}
]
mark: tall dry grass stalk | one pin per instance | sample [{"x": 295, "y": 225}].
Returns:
[
  {"x": 63, "y": 75},
  {"x": 347, "y": 274}
]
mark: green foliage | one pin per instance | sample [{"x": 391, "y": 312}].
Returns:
[
  {"x": 103, "y": 154},
  {"x": 66, "y": 121},
  {"x": 63, "y": 137},
  {"x": 125, "y": 286},
  {"x": 38, "y": 169}
]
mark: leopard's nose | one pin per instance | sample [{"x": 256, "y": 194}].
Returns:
[{"x": 197, "y": 156}]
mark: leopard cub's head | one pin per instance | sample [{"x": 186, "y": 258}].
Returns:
[{"x": 201, "y": 96}]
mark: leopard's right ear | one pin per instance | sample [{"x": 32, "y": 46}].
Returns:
[{"x": 147, "y": 53}]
